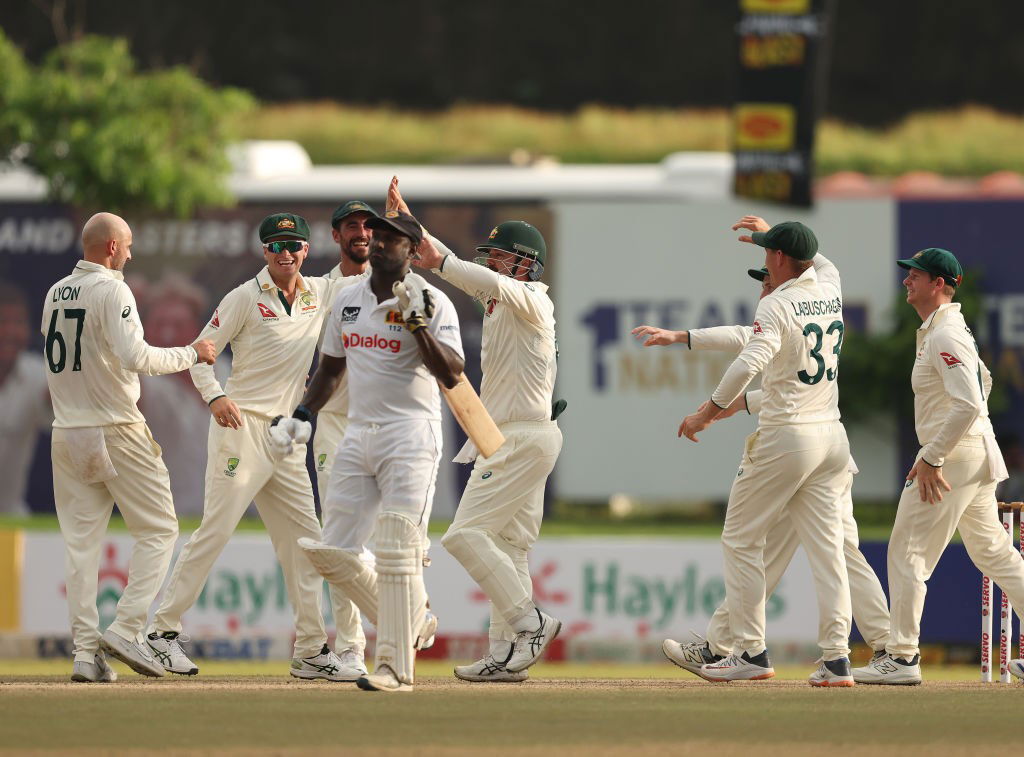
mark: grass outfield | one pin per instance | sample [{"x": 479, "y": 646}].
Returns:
[{"x": 575, "y": 709}]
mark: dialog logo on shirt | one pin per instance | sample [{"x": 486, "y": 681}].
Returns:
[
  {"x": 267, "y": 313},
  {"x": 349, "y": 314},
  {"x": 950, "y": 359},
  {"x": 373, "y": 342}
]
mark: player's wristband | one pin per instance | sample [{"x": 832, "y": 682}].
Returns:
[
  {"x": 440, "y": 268},
  {"x": 303, "y": 413},
  {"x": 277, "y": 419},
  {"x": 216, "y": 398},
  {"x": 929, "y": 464}
]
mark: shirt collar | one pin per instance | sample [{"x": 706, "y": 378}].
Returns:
[
  {"x": 266, "y": 281},
  {"x": 810, "y": 276},
  {"x": 940, "y": 312},
  {"x": 86, "y": 265}
]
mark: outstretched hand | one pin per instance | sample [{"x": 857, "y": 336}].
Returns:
[
  {"x": 656, "y": 337},
  {"x": 750, "y": 223},
  {"x": 395, "y": 200}
]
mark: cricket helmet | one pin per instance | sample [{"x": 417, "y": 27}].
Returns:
[{"x": 520, "y": 239}]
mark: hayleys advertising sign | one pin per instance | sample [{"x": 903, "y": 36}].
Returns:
[
  {"x": 783, "y": 53},
  {"x": 602, "y": 589}
]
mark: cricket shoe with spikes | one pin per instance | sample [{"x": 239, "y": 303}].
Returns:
[
  {"x": 739, "y": 668},
  {"x": 132, "y": 653},
  {"x": 691, "y": 656},
  {"x": 382, "y": 679},
  {"x": 832, "y": 673},
  {"x": 327, "y": 666},
  {"x": 97, "y": 671},
  {"x": 166, "y": 648},
  {"x": 888, "y": 670},
  {"x": 491, "y": 669},
  {"x": 533, "y": 634}
]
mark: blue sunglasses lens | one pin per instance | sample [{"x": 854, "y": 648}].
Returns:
[{"x": 278, "y": 247}]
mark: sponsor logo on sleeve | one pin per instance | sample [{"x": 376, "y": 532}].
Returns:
[
  {"x": 349, "y": 314},
  {"x": 127, "y": 311},
  {"x": 757, "y": 328},
  {"x": 215, "y": 321},
  {"x": 950, "y": 359}
]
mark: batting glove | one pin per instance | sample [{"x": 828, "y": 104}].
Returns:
[{"x": 415, "y": 300}]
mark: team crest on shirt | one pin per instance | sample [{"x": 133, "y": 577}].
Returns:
[
  {"x": 349, "y": 314},
  {"x": 266, "y": 312},
  {"x": 307, "y": 301},
  {"x": 395, "y": 317},
  {"x": 320, "y": 460},
  {"x": 232, "y": 464},
  {"x": 757, "y": 327},
  {"x": 950, "y": 359}
]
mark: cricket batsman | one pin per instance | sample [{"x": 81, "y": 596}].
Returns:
[
  {"x": 952, "y": 483},
  {"x": 102, "y": 449},
  {"x": 395, "y": 337}
]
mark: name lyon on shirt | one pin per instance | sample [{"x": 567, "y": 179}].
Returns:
[
  {"x": 374, "y": 341},
  {"x": 817, "y": 307}
]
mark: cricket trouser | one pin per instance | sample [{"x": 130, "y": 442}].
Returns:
[
  {"x": 383, "y": 479},
  {"x": 870, "y": 608},
  {"x": 330, "y": 430},
  {"x": 799, "y": 471},
  {"x": 142, "y": 492},
  {"x": 241, "y": 469},
  {"x": 499, "y": 519},
  {"x": 922, "y": 531}
]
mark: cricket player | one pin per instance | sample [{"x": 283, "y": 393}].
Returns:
[
  {"x": 952, "y": 483},
  {"x": 500, "y": 513},
  {"x": 101, "y": 448},
  {"x": 350, "y": 232},
  {"x": 395, "y": 337},
  {"x": 870, "y": 609},
  {"x": 273, "y": 323},
  {"x": 796, "y": 463}
]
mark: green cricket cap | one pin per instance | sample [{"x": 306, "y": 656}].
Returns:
[
  {"x": 284, "y": 225},
  {"x": 937, "y": 262},
  {"x": 758, "y": 273},
  {"x": 346, "y": 209},
  {"x": 792, "y": 237}
]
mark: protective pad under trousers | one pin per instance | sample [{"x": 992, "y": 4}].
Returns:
[{"x": 402, "y": 596}]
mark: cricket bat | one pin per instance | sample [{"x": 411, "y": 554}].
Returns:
[{"x": 471, "y": 414}]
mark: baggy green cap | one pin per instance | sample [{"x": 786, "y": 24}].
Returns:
[
  {"x": 937, "y": 262},
  {"x": 758, "y": 273},
  {"x": 348, "y": 208},
  {"x": 284, "y": 225},
  {"x": 792, "y": 237}
]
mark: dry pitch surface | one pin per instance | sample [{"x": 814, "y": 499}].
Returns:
[{"x": 255, "y": 708}]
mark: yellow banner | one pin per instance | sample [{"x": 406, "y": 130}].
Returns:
[
  {"x": 776, "y": 6},
  {"x": 12, "y": 550},
  {"x": 765, "y": 126}
]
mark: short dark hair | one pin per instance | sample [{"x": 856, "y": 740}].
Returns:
[{"x": 947, "y": 288}]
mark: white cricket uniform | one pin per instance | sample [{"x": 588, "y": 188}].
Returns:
[
  {"x": 796, "y": 462},
  {"x": 272, "y": 348},
  {"x": 386, "y": 467},
  {"x": 870, "y": 607},
  {"x": 101, "y": 448},
  {"x": 331, "y": 422},
  {"x": 951, "y": 387},
  {"x": 500, "y": 513},
  {"x": 24, "y": 412}
]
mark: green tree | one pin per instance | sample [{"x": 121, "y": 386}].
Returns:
[{"x": 105, "y": 135}]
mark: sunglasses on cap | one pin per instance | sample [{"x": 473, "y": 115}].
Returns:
[{"x": 290, "y": 245}]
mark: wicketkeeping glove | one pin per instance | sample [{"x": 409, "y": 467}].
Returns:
[
  {"x": 286, "y": 431},
  {"x": 415, "y": 300}
]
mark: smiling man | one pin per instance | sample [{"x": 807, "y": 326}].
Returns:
[
  {"x": 273, "y": 323},
  {"x": 952, "y": 484}
]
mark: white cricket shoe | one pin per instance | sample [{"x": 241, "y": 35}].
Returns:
[
  {"x": 739, "y": 668},
  {"x": 382, "y": 679},
  {"x": 832, "y": 673},
  {"x": 691, "y": 656},
  {"x": 1017, "y": 668},
  {"x": 98, "y": 671},
  {"x": 888, "y": 670},
  {"x": 532, "y": 638},
  {"x": 325, "y": 665},
  {"x": 133, "y": 654},
  {"x": 489, "y": 670},
  {"x": 166, "y": 648}
]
